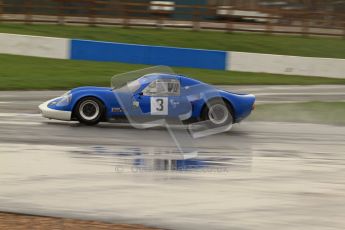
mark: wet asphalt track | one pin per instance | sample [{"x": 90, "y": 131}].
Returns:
[{"x": 261, "y": 175}]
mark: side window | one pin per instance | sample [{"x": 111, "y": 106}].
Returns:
[{"x": 163, "y": 87}]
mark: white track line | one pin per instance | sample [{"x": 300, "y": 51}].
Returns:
[
  {"x": 300, "y": 94},
  {"x": 20, "y": 115},
  {"x": 29, "y": 123}
]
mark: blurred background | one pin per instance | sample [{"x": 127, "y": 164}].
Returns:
[{"x": 290, "y": 16}]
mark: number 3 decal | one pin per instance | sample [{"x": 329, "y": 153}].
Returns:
[{"x": 159, "y": 106}]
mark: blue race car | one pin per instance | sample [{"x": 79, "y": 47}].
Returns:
[{"x": 148, "y": 98}]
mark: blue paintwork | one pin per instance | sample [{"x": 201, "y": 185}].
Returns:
[
  {"x": 193, "y": 96},
  {"x": 145, "y": 54}
]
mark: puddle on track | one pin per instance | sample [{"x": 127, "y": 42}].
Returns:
[{"x": 256, "y": 187}]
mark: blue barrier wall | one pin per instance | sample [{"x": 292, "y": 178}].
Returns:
[{"x": 149, "y": 55}]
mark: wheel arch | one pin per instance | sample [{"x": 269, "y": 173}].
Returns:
[
  {"x": 73, "y": 116},
  {"x": 227, "y": 101}
]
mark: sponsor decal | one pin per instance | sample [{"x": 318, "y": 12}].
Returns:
[{"x": 116, "y": 110}]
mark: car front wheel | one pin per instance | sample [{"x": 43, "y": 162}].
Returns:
[{"x": 89, "y": 111}]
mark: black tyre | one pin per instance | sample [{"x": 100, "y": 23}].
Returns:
[
  {"x": 89, "y": 111},
  {"x": 218, "y": 112}
]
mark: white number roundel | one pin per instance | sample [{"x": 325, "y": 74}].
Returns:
[{"x": 159, "y": 106}]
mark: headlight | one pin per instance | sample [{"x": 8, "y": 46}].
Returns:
[
  {"x": 65, "y": 99},
  {"x": 66, "y": 94}
]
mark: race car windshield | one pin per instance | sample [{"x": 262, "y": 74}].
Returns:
[
  {"x": 131, "y": 79},
  {"x": 134, "y": 85}
]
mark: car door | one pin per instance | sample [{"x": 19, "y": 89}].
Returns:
[{"x": 161, "y": 98}]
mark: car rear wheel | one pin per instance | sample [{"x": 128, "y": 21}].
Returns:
[
  {"x": 89, "y": 111},
  {"x": 218, "y": 113}
]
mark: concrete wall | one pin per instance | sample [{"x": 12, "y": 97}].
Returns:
[
  {"x": 281, "y": 64},
  {"x": 157, "y": 55},
  {"x": 34, "y": 46}
]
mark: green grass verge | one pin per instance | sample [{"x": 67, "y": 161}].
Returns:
[
  {"x": 20, "y": 72},
  {"x": 308, "y": 112},
  {"x": 245, "y": 42}
]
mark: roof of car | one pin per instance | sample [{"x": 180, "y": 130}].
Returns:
[
  {"x": 160, "y": 75},
  {"x": 153, "y": 76}
]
